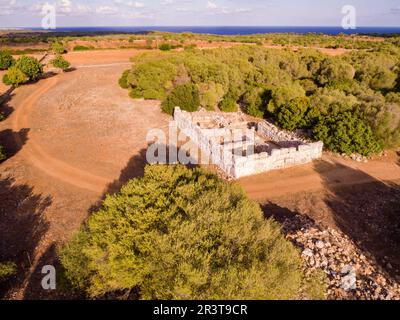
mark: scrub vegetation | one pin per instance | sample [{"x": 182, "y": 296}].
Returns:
[{"x": 351, "y": 102}]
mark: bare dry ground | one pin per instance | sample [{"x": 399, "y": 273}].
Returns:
[
  {"x": 76, "y": 136},
  {"x": 72, "y": 138}
]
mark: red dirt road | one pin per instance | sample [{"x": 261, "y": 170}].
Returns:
[
  {"x": 71, "y": 138},
  {"x": 332, "y": 171}
]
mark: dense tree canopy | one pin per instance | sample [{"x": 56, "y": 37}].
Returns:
[
  {"x": 284, "y": 86},
  {"x": 178, "y": 233},
  {"x": 185, "y": 96}
]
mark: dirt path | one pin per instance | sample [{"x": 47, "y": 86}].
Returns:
[
  {"x": 71, "y": 138},
  {"x": 331, "y": 171},
  {"x": 34, "y": 153}
]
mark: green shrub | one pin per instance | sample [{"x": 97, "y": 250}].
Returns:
[
  {"x": 81, "y": 48},
  {"x": 346, "y": 133},
  {"x": 184, "y": 234},
  {"x": 190, "y": 46},
  {"x": 123, "y": 81},
  {"x": 61, "y": 63},
  {"x": 185, "y": 96},
  {"x": 228, "y": 104},
  {"x": 7, "y": 269},
  {"x": 3, "y": 155},
  {"x": 30, "y": 66},
  {"x": 165, "y": 47},
  {"x": 6, "y": 60},
  {"x": 6, "y": 81},
  {"x": 58, "y": 48},
  {"x": 15, "y": 77}
]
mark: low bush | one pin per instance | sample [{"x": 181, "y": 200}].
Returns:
[
  {"x": 15, "y": 77},
  {"x": 165, "y": 47},
  {"x": 6, "y": 60},
  {"x": 30, "y": 66},
  {"x": 58, "y": 48},
  {"x": 61, "y": 63},
  {"x": 178, "y": 233},
  {"x": 81, "y": 48},
  {"x": 123, "y": 81}
]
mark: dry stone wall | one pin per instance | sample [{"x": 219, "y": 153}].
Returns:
[{"x": 234, "y": 163}]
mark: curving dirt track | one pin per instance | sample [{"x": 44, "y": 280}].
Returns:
[
  {"x": 72, "y": 138},
  {"x": 41, "y": 159}
]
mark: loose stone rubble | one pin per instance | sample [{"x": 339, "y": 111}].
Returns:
[{"x": 351, "y": 275}]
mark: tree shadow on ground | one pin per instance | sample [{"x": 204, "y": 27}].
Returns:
[
  {"x": 22, "y": 226},
  {"x": 63, "y": 291},
  {"x": 5, "y": 98},
  {"x": 134, "y": 169},
  {"x": 71, "y": 69},
  {"x": 47, "y": 75},
  {"x": 290, "y": 221},
  {"x": 368, "y": 212},
  {"x": 12, "y": 141}
]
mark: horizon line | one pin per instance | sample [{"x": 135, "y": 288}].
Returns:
[{"x": 202, "y": 26}]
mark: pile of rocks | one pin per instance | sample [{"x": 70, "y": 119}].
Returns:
[
  {"x": 350, "y": 273},
  {"x": 273, "y": 133},
  {"x": 358, "y": 158}
]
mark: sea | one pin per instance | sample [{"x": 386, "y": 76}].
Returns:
[{"x": 231, "y": 30}]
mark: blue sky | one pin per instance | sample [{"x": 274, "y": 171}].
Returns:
[{"x": 27, "y": 13}]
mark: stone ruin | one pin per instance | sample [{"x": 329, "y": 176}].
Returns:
[{"x": 242, "y": 148}]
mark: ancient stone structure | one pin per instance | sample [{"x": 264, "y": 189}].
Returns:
[{"x": 242, "y": 148}]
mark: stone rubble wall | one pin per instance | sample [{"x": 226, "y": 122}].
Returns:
[
  {"x": 283, "y": 138},
  {"x": 237, "y": 166}
]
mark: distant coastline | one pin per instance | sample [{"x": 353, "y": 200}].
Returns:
[{"x": 232, "y": 30}]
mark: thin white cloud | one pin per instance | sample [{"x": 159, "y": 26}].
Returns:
[
  {"x": 9, "y": 7},
  {"x": 106, "y": 10},
  {"x": 132, "y": 4},
  {"x": 211, "y": 5}
]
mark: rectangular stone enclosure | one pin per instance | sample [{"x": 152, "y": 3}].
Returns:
[{"x": 241, "y": 147}]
